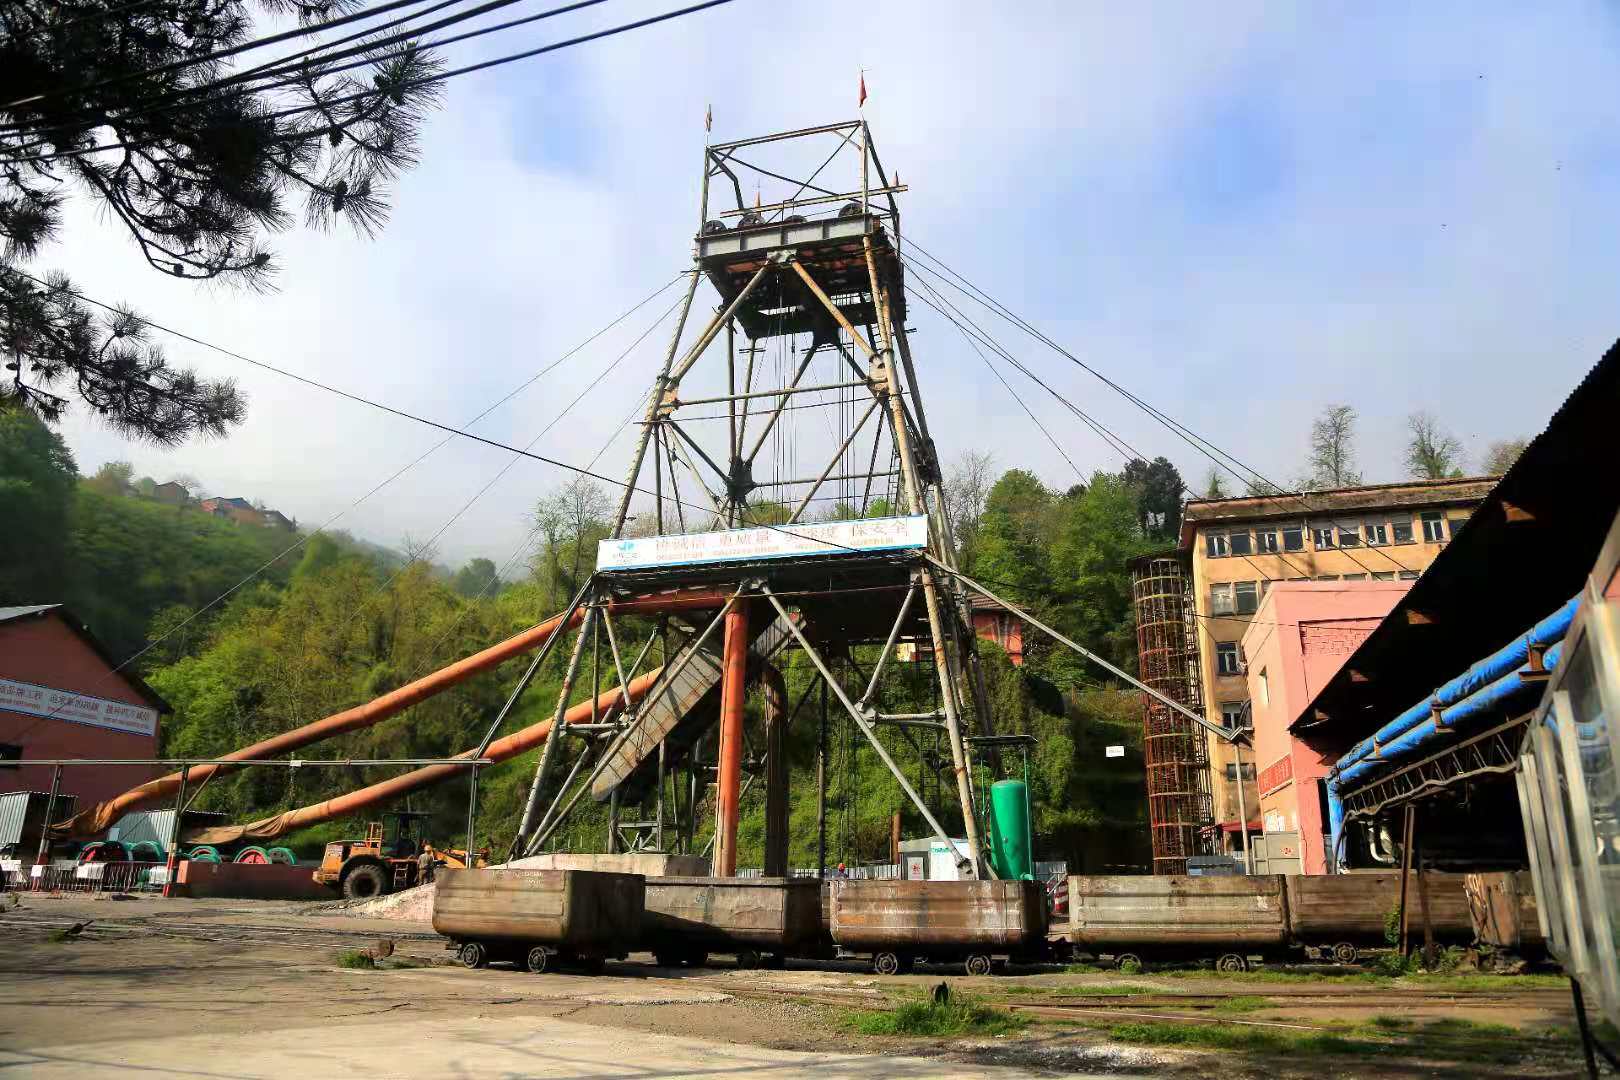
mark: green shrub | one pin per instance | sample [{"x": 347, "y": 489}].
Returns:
[
  {"x": 959, "y": 1015},
  {"x": 356, "y": 958}
]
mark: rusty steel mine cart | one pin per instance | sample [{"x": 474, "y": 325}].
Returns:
[
  {"x": 900, "y": 923},
  {"x": 538, "y": 918},
  {"x": 762, "y": 921}
]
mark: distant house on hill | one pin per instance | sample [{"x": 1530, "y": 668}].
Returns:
[
  {"x": 245, "y": 513},
  {"x": 171, "y": 493}
]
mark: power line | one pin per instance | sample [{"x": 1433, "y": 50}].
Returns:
[
  {"x": 329, "y": 522},
  {"x": 300, "y": 65},
  {"x": 1123, "y": 448},
  {"x": 219, "y": 54},
  {"x": 1204, "y": 446},
  {"x": 410, "y": 84}
]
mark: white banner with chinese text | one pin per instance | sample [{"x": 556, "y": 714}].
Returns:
[{"x": 781, "y": 542}]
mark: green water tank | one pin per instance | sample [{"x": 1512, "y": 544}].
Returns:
[{"x": 1009, "y": 830}]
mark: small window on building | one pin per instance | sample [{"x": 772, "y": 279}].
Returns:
[
  {"x": 1248, "y": 597},
  {"x": 1322, "y": 535},
  {"x": 1401, "y": 530},
  {"x": 1355, "y": 577},
  {"x": 1293, "y": 537},
  {"x": 1299, "y": 579},
  {"x": 1434, "y": 527},
  {"x": 1350, "y": 535},
  {"x": 1232, "y": 715},
  {"x": 1220, "y": 599},
  {"x": 1215, "y": 545},
  {"x": 1226, "y": 658},
  {"x": 1240, "y": 543},
  {"x": 1409, "y": 575},
  {"x": 1383, "y": 575},
  {"x": 1265, "y": 541},
  {"x": 1376, "y": 533},
  {"x": 1327, "y": 577},
  {"x": 1231, "y": 770}
]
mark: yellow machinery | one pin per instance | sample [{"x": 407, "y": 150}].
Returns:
[{"x": 393, "y": 856}]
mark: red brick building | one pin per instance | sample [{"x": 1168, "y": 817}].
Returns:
[{"x": 61, "y": 698}]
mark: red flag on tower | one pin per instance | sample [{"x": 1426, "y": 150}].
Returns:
[{"x": 862, "y": 102}]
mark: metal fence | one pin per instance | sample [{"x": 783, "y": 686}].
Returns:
[{"x": 95, "y": 877}]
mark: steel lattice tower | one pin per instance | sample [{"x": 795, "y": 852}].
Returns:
[{"x": 1174, "y": 747}]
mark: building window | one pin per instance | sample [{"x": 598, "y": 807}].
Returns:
[
  {"x": 1323, "y": 536},
  {"x": 1232, "y": 715},
  {"x": 1239, "y": 542},
  {"x": 1265, "y": 689},
  {"x": 1293, "y": 537},
  {"x": 1434, "y": 527},
  {"x": 1215, "y": 545},
  {"x": 1327, "y": 577},
  {"x": 1355, "y": 577},
  {"x": 1350, "y": 535},
  {"x": 1409, "y": 575},
  {"x": 1377, "y": 533},
  {"x": 1220, "y": 599},
  {"x": 1248, "y": 597},
  {"x": 1226, "y": 658},
  {"x": 1383, "y": 575},
  {"x": 1402, "y": 530},
  {"x": 1299, "y": 579},
  {"x": 1265, "y": 541},
  {"x": 1231, "y": 770}
]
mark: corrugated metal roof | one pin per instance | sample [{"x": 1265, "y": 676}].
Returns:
[
  {"x": 9, "y": 613},
  {"x": 155, "y": 825},
  {"x": 20, "y": 810}
]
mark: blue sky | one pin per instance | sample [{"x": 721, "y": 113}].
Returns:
[{"x": 1242, "y": 212}]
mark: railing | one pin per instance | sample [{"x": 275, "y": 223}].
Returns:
[{"x": 95, "y": 877}]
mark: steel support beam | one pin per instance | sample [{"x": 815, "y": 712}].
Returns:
[{"x": 733, "y": 700}]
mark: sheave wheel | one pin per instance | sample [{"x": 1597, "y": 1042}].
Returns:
[
  {"x": 472, "y": 955},
  {"x": 1232, "y": 962},
  {"x": 536, "y": 960},
  {"x": 1345, "y": 953},
  {"x": 977, "y": 964},
  {"x": 364, "y": 882},
  {"x": 886, "y": 963}
]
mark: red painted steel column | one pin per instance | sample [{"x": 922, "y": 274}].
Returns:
[{"x": 733, "y": 696}]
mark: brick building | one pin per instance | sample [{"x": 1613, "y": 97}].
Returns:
[
  {"x": 1298, "y": 640},
  {"x": 61, "y": 698},
  {"x": 1239, "y": 547}
]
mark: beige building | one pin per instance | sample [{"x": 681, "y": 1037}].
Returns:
[{"x": 1238, "y": 547}]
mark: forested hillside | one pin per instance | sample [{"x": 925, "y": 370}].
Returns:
[{"x": 334, "y": 622}]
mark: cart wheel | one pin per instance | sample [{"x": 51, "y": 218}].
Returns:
[
  {"x": 1345, "y": 953},
  {"x": 591, "y": 965},
  {"x": 977, "y": 964},
  {"x": 696, "y": 958},
  {"x": 773, "y": 961},
  {"x": 748, "y": 959},
  {"x": 886, "y": 963},
  {"x": 664, "y": 959},
  {"x": 1232, "y": 962},
  {"x": 537, "y": 959},
  {"x": 1129, "y": 963},
  {"x": 472, "y": 955}
]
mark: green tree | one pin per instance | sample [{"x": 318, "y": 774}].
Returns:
[
  {"x": 113, "y": 478},
  {"x": 1158, "y": 490},
  {"x": 1333, "y": 448},
  {"x": 210, "y": 160},
  {"x": 1500, "y": 456},
  {"x": 1432, "y": 453},
  {"x": 38, "y": 479},
  {"x": 1215, "y": 485},
  {"x": 478, "y": 578}
]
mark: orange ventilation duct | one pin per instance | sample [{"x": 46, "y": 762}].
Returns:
[{"x": 387, "y": 790}]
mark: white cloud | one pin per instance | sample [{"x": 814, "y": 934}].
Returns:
[{"x": 1241, "y": 214}]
